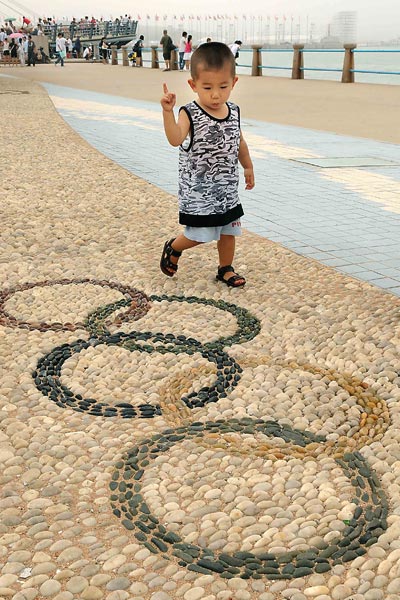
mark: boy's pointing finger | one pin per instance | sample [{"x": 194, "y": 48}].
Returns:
[{"x": 165, "y": 88}]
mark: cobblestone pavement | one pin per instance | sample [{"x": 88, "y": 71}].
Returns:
[
  {"x": 165, "y": 438},
  {"x": 347, "y": 217}
]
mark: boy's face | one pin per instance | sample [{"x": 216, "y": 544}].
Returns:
[{"x": 213, "y": 88}]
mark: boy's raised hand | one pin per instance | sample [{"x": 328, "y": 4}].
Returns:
[{"x": 168, "y": 100}]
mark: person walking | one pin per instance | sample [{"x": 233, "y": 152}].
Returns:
[
  {"x": 167, "y": 46},
  {"x": 3, "y": 36},
  {"x": 69, "y": 47},
  {"x": 25, "y": 44},
  {"x": 13, "y": 49},
  {"x": 182, "y": 45},
  {"x": 211, "y": 146},
  {"x": 138, "y": 47},
  {"x": 6, "y": 48},
  {"x": 188, "y": 52},
  {"x": 235, "y": 47},
  {"x": 21, "y": 52},
  {"x": 31, "y": 52},
  {"x": 78, "y": 47},
  {"x": 61, "y": 45},
  {"x": 103, "y": 46}
]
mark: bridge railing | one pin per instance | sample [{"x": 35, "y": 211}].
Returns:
[
  {"x": 88, "y": 31},
  {"x": 296, "y": 65}
]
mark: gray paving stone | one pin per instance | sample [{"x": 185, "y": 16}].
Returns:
[{"x": 294, "y": 204}]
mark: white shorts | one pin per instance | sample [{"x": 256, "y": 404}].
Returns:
[{"x": 208, "y": 234}]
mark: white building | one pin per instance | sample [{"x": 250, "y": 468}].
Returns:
[{"x": 344, "y": 26}]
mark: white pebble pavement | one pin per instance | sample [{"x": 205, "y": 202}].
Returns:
[{"x": 171, "y": 438}]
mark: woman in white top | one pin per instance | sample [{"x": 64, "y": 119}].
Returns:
[{"x": 21, "y": 53}]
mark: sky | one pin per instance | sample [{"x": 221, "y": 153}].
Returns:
[{"x": 376, "y": 20}]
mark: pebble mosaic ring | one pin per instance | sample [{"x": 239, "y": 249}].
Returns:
[{"x": 235, "y": 437}]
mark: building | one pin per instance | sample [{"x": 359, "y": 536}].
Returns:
[{"x": 344, "y": 26}]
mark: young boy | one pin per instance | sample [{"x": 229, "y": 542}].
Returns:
[{"x": 211, "y": 144}]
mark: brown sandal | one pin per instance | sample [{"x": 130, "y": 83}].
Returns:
[
  {"x": 232, "y": 281},
  {"x": 166, "y": 265}
]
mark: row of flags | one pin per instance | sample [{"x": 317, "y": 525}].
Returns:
[{"x": 212, "y": 17}]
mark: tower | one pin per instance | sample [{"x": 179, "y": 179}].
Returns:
[{"x": 344, "y": 26}]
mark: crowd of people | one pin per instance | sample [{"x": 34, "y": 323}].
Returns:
[
  {"x": 49, "y": 25},
  {"x": 15, "y": 42},
  {"x": 20, "y": 46},
  {"x": 14, "y": 36},
  {"x": 185, "y": 49}
]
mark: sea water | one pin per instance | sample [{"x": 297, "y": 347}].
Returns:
[{"x": 275, "y": 60}]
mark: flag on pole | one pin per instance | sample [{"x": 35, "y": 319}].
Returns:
[{"x": 139, "y": 18}]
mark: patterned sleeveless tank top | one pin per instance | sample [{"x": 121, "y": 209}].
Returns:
[{"x": 208, "y": 168}]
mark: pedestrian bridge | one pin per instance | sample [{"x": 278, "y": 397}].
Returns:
[{"x": 114, "y": 32}]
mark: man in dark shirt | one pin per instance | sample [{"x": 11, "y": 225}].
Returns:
[
  {"x": 31, "y": 51},
  {"x": 78, "y": 47},
  {"x": 167, "y": 46}
]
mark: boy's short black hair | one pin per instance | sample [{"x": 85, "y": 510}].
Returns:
[{"x": 212, "y": 56}]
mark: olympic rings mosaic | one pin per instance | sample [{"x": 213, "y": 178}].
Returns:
[{"x": 127, "y": 501}]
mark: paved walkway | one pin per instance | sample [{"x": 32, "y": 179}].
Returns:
[
  {"x": 173, "y": 438},
  {"x": 346, "y": 217}
]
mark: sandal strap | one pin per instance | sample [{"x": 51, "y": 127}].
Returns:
[
  {"x": 170, "y": 251},
  {"x": 223, "y": 270},
  {"x": 232, "y": 280}
]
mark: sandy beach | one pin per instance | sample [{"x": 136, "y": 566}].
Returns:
[
  {"x": 364, "y": 110},
  {"x": 166, "y": 439}
]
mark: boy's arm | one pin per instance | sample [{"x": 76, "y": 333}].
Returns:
[
  {"x": 176, "y": 132},
  {"x": 245, "y": 161}
]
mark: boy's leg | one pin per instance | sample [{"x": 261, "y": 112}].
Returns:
[
  {"x": 180, "y": 244},
  {"x": 226, "y": 252}
]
